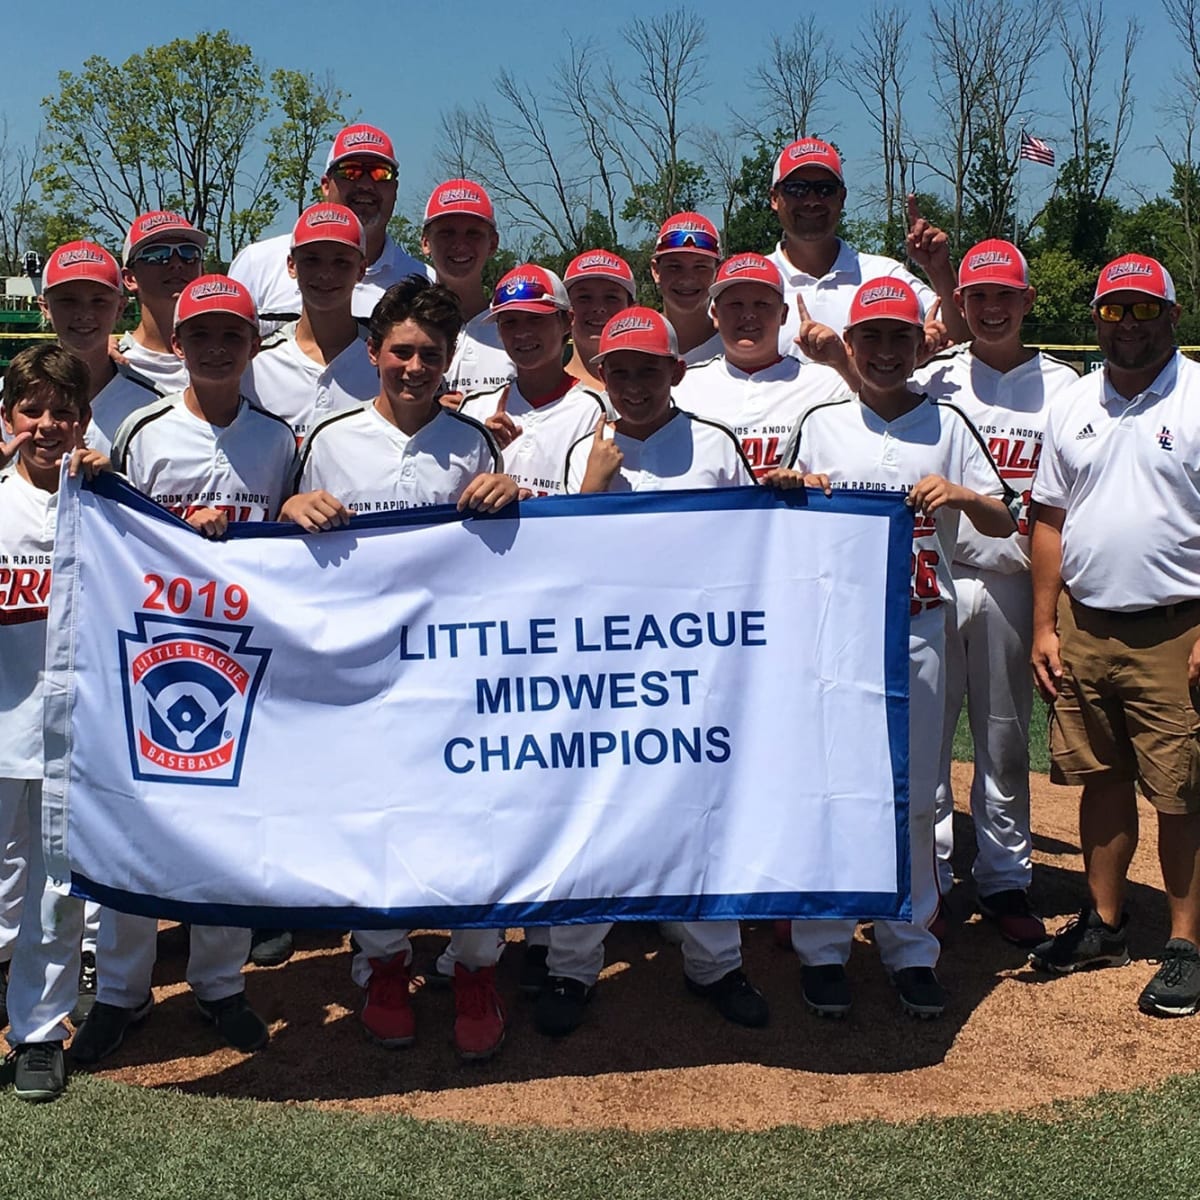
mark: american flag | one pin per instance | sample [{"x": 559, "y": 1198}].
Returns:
[{"x": 1036, "y": 150}]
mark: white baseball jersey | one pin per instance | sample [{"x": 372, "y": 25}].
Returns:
[
  {"x": 480, "y": 363},
  {"x": 124, "y": 393},
  {"x": 27, "y": 521},
  {"x": 1009, "y": 408},
  {"x": 371, "y": 466},
  {"x": 687, "y": 452},
  {"x": 761, "y": 409},
  {"x": 262, "y": 267},
  {"x": 282, "y": 379},
  {"x": 858, "y": 450},
  {"x": 703, "y": 352},
  {"x": 1127, "y": 472},
  {"x": 166, "y": 371},
  {"x": 537, "y": 458},
  {"x": 828, "y": 298},
  {"x": 185, "y": 464}
]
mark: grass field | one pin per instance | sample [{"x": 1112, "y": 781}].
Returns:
[{"x": 112, "y": 1141}]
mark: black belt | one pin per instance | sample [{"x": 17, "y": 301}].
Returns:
[{"x": 1163, "y": 611}]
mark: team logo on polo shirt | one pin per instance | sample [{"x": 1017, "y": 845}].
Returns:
[
  {"x": 1166, "y": 439},
  {"x": 189, "y": 689}
]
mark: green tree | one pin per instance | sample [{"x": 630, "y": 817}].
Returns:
[
  {"x": 312, "y": 111},
  {"x": 652, "y": 201},
  {"x": 171, "y": 127},
  {"x": 1078, "y": 217},
  {"x": 1064, "y": 288}
]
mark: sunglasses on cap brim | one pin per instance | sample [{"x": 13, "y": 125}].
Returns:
[
  {"x": 688, "y": 239},
  {"x": 160, "y": 253}
]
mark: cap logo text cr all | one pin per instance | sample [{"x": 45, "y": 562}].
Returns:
[
  {"x": 598, "y": 259},
  {"x": 162, "y": 218},
  {"x": 748, "y": 262},
  {"x": 883, "y": 292},
  {"x": 989, "y": 258},
  {"x": 216, "y": 288},
  {"x": 362, "y": 137},
  {"x": 622, "y": 325},
  {"x": 457, "y": 195},
  {"x": 515, "y": 283},
  {"x": 1121, "y": 270},
  {"x": 326, "y": 216},
  {"x": 802, "y": 148},
  {"x": 83, "y": 254}
]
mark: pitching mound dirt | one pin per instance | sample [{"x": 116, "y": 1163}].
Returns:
[{"x": 651, "y": 1056}]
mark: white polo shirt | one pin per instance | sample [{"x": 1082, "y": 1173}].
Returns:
[
  {"x": 1127, "y": 472},
  {"x": 1009, "y": 408},
  {"x": 828, "y": 298},
  {"x": 282, "y": 379},
  {"x": 537, "y": 458},
  {"x": 124, "y": 393},
  {"x": 27, "y": 522},
  {"x": 166, "y": 371},
  {"x": 687, "y": 452},
  {"x": 480, "y": 363},
  {"x": 762, "y": 408},
  {"x": 185, "y": 464},
  {"x": 858, "y": 450},
  {"x": 371, "y": 466},
  {"x": 262, "y": 267},
  {"x": 705, "y": 351}
]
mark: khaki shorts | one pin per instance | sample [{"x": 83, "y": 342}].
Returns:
[{"x": 1124, "y": 710}]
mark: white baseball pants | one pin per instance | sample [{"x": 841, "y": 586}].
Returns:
[{"x": 473, "y": 948}]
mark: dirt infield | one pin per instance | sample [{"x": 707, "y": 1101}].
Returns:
[{"x": 650, "y": 1056}]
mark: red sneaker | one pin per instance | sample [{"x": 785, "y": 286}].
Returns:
[
  {"x": 478, "y": 1013},
  {"x": 387, "y": 1015},
  {"x": 1017, "y": 921}
]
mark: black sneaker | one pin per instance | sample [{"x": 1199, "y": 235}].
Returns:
[
  {"x": 826, "y": 990},
  {"x": 271, "y": 947},
  {"x": 236, "y": 1022},
  {"x": 735, "y": 998},
  {"x": 535, "y": 975},
  {"x": 1175, "y": 989},
  {"x": 435, "y": 977},
  {"x": 41, "y": 1073},
  {"x": 104, "y": 1030},
  {"x": 1084, "y": 943},
  {"x": 559, "y": 1009},
  {"x": 87, "y": 989},
  {"x": 921, "y": 995},
  {"x": 3, "y": 995}
]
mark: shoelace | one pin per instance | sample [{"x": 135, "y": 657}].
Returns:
[
  {"x": 1177, "y": 967},
  {"x": 40, "y": 1057}
]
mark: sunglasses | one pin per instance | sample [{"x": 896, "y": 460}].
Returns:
[
  {"x": 688, "y": 239},
  {"x": 353, "y": 172},
  {"x": 160, "y": 254},
  {"x": 521, "y": 289},
  {"x": 799, "y": 188},
  {"x": 1142, "y": 310}
]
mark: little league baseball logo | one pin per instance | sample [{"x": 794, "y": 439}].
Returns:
[{"x": 189, "y": 689}]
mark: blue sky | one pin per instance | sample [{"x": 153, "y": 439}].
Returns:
[{"x": 405, "y": 63}]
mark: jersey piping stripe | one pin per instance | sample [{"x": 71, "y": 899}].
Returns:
[
  {"x": 1009, "y": 494},
  {"x": 121, "y": 446},
  {"x": 489, "y": 441}
]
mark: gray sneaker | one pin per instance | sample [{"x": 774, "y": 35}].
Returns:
[
  {"x": 41, "y": 1073},
  {"x": 1083, "y": 944},
  {"x": 104, "y": 1030},
  {"x": 1175, "y": 989}
]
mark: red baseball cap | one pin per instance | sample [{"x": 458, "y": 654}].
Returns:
[
  {"x": 1136, "y": 273},
  {"x": 460, "y": 196},
  {"x": 640, "y": 329},
  {"x": 357, "y": 140},
  {"x": 688, "y": 232},
  {"x": 329, "y": 223},
  {"x": 746, "y": 268},
  {"x": 529, "y": 288},
  {"x": 215, "y": 294},
  {"x": 81, "y": 260},
  {"x": 160, "y": 226},
  {"x": 886, "y": 299},
  {"x": 994, "y": 261},
  {"x": 601, "y": 264},
  {"x": 807, "y": 152}
]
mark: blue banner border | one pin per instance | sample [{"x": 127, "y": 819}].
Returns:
[{"x": 760, "y": 906}]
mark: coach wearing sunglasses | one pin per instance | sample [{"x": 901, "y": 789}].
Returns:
[
  {"x": 163, "y": 253},
  {"x": 362, "y": 173},
  {"x": 808, "y": 193},
  {"x": 1116, "y": 622}
]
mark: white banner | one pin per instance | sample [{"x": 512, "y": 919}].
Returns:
[{"x": 668, "y": 706}]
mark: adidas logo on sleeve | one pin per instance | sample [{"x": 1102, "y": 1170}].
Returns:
[{"x": 1086, "y": 432}]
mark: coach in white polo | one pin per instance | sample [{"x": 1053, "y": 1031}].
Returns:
[
  {"x": 808, "y": 193},
  {"x": 361, "y": 172},
  {"x": 1116, "y": 621}
]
